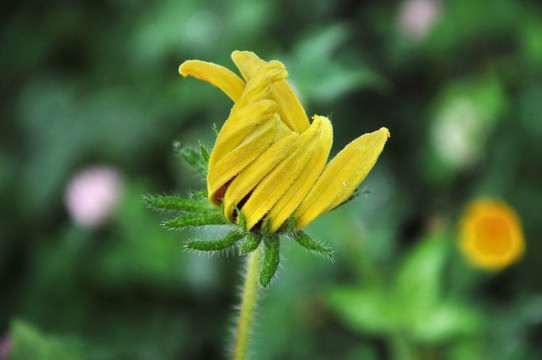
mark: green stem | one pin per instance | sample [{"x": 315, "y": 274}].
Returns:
[{"x": 248, "y": 304}]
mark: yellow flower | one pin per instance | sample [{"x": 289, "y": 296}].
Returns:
[
  {"x": 268, "y": 160},
  {"x": 490, "y": 234}
]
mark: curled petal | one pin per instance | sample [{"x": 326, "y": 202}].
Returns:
[
  {"x": 261, "y": 84},
  {"x": 278, "y": 181},
  {"x": 248, "y": 63},
  {"x": 236, "y": 160},
  {"x": 291, "y": 111},
  {"x": 249, "y": 110},
  {"x": 240, "y": 125},
  {"x": 247, "y": 180},
  {"x": 217, "y": 75},
  {"x": 315, "y": 160},
  {"x": 341, "y": 176}
]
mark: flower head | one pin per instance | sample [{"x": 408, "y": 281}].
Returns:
[
  {"x": 490, "y": 234},
  {"x": 267, "y": 172},
  {"x": 269, "y": 161}
]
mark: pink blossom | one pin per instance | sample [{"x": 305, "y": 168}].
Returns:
[
  {"x": 92, "y": 195},
  {"x": 6, "y": 343},
  {"x": 417, "y": 17}
]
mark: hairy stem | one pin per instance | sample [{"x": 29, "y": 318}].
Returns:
[{"x": 248, "y": 305}]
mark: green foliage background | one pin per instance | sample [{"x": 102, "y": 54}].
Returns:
[{"x": 96, "y": 82}]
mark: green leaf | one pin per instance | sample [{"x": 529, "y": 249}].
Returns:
[
  {"x": 418, "y": 280},
  {"x": 193, "y": 158},
  {"x": 29, "y": 343},
  {"x": 446, "y": 322},
  {"x": 304, "y": 240},
  {"x": 367, "y": 310},
  {"x": 196, "y": 220},
  {"x": 177, "y": 203},
  {"x": 270, "y": 261},
  {"x": 251, "y": 243},
  {"x": 213, "y": 245}
]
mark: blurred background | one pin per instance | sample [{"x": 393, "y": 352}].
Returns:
[{"x": 92, "y": 103}]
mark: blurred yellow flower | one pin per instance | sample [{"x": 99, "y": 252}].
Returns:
[
  {"x": 490, "y": 234},
  {"x": 268, "y": 160}
]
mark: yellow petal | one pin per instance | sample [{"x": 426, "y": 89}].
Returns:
[
  {"x": 315, "y": 163},
  {"x": 261, "y": 85},
  {"x": 217, "y": 75},
  {"x": 341, "y": 176},
  {"x": 247, "y": 62},
  {"x": 240, "y": 125},
  {"x": 249, "y": 110},
  {"x": 277, "y": 182},
  {"x": 236, "y": 160},
  {"x": 245, "y": 182},
  {"x": 291, "y": 111}
]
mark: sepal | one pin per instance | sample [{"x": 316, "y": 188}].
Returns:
[
  {"x": 251, "y": 243},
  {"x": 204, "y": 153},
  {"x": 354, "y": 195},
  {"x": 202, "y": 194},
  {"x": 289, "y": 226},
  {"x": 177, "y": 203},
  {"x": 214, "y": 245},
  {"x": 196, "y": 220},
  {"x": 193, "y": 158},
  {"x": 265, "y": 230},
  {"x": 304, "y": 240},
  {"x": 271, "y": 260},
  {"x": 242, "y": 220}
]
